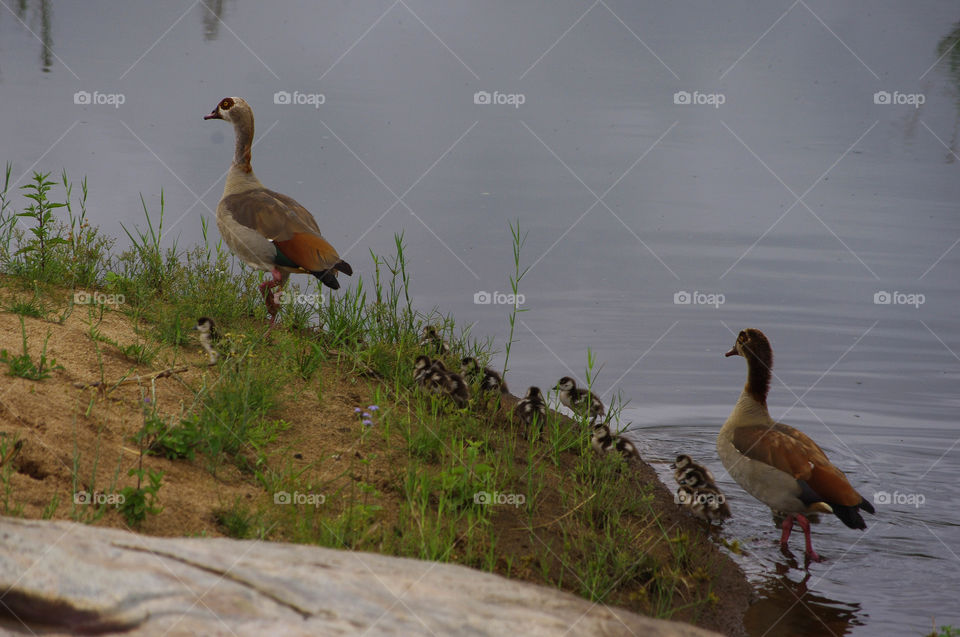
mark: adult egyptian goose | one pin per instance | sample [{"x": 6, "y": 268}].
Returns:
[
  {"x": 777, "y": 464},
  {"x": 581, "y": 401},
  {"x": 267, "y": 230}
]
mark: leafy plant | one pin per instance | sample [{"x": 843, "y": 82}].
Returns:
[
  {"x": 141, "y": 500},
  {"x": 45, "y": 237}
]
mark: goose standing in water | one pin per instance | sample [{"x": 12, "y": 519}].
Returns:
[
  {"x": 777, "y": 464},
  {"x": 269, "y": 231}
]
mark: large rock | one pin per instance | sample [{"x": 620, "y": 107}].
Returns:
[{"x": 65, "y": 578}]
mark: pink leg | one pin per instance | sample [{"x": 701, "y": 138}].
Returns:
[
  {"x": 805, "y": 525},
  {"x": 269, "y": 297},
  {"x": 787, "y": 526}
]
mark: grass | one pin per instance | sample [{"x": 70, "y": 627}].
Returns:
[{"x": 422, "y": 479}]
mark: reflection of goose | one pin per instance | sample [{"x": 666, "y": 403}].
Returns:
[
  {"x": 267, "y": 230},
  {"x": 776, "y": 610},
  {"x": 777, "y": 464}
]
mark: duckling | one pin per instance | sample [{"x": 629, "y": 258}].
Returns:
[
  {"x": 532, "y": 405},
  {"x": 490, "y": 380},
  {"x": 706, "y": 503},
  {"x": 691, "y": 474},
  {"x": 581, "y": 401},
  {"x": 605, "y": 442},
  {"x": 430, "y": 339},
  {"x": 456, "y": 388},
  {"x": 421, "y": 369},
  {"x": 209, "y": 337}
]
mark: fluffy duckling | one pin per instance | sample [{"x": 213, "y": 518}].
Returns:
[
  {"x": 421, "y": 369},
  {"x": 209, "y": 337},
  {"x": 706, "y": 503},
  {"x": 456, "y": 388},
  {"x": 603, "y": 441},
  {"x": 532, "y": 405},
  {"x": 691, "y": 474},
  {"x": 490, "y": 379},
  {"x": 431, "y": 340},
  {"x": 581, "y": 401}
]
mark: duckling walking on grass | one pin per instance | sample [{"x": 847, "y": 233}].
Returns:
[
  {"x": 456, "y": 388},
  {"x": 490, "y": 379},
  {"x": 532, "y": 406},
  {"x": 421, "y": 370},
  {"x": 433, "y": 342},
  {"x": 581, "y": 401},
  {"x": 209, "y": 337},
  {"x": 604, "y": 442}
]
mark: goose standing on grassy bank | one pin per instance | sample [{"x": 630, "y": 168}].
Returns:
[
  {"x": 208, "y": 338},
  {"x": 269, "y": 231},
  {"x": 581, "y": 401},
  {"x": 777, "y": 464}
]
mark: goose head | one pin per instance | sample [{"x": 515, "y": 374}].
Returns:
[
  {"x": 566, "y": 384},
  {"x": 752, "y": 344},
  {"x": 421, "y": 363},
  {"x": 232, "y": 109}
]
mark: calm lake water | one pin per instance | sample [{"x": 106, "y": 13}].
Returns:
[{"x": 777, "y": 164}]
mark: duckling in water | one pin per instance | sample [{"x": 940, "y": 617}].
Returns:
[
  {"x": 581, "y": 401},
  {"x": 706, "y": 503},
  {"x": 603, "y": 441},
  {"x": 209, "y": 337},
  {"x": 688, "y": 473}
]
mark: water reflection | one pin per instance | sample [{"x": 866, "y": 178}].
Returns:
[
  {"x": 44, "y": 30},
  {"x": 788, "y": 607},
  {"x": 212, "y": 11}
]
